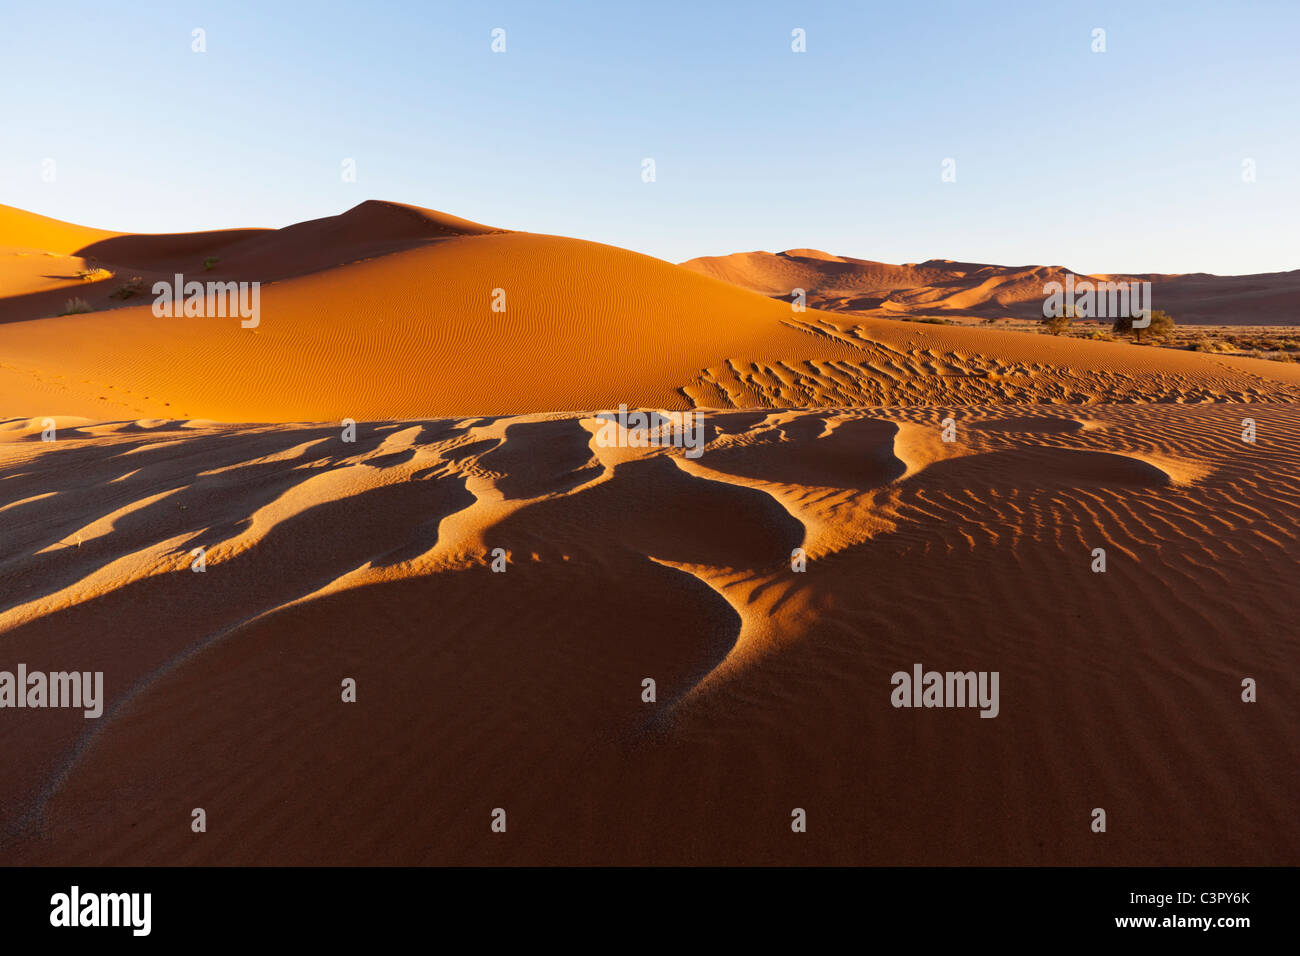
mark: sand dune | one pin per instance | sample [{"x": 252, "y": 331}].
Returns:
[
  {"x": 522, "y": 689},
  {"x": 979, "y": 290},
  {"x": 477, "y": 440},
  {"x": 365, "y": 231},
  {"x": 28, "y": 242},
  {"x": 387, "y": 312},
  {"x": 27, "y": 230}
]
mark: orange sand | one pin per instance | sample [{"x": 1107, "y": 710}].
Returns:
[
  {"x": 946, "y": 288},
  {"x": 370, "y": 559}
]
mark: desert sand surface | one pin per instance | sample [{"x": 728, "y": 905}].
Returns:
[
  {"x": 401, "y": 325},
  {"x": 980, "y": 290},
  {"x": 522, "y": 689}
]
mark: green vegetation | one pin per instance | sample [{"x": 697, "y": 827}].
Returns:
[
  {"x": 1056, "y": 324},
  {"x": 129, "y": 289},
  {"x": 1162, "y": 324}
]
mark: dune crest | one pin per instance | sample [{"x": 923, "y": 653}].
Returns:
[
  {"x": 431, "y": 507},
  {"x": 985, "y": 291},
  {"x": 393, "y": 311},
  {"x": 374, "y": 558}
]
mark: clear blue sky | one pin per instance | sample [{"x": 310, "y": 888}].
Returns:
[{"x": 1128, "y": 160}]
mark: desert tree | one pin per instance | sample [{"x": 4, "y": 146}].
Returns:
[
  {"x": 1056, "y": 324},
  {"x": 1162, "y": 323}
]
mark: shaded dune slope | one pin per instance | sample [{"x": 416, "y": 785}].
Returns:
[{"x": 371, "y": 560}]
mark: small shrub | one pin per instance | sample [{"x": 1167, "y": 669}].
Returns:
[
  {"x": 1056, "y": 324},
  {"x": 209, "y": 262},
  {"x": 75, "y": 306},
  {"x": 1162, "y": 323},
  {"x": 129, "y": 289},
  {"x": 94, "y": 275}
]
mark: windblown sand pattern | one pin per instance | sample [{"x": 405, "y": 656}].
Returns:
[
  {"x": 477, "y": 430},
  {"x": 520, "y": 689}
]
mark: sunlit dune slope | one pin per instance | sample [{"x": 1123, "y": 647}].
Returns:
[
  {"x": 373, "y": 228},
  {"x": 20, "y": 229},
  {"x": 40, "y": 258},
  {"x": 391, "y": 311},
  {"x": 407, "y": 333}
]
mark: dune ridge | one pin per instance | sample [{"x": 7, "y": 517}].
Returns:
[
  {"x": 984, "y": 291},
  {"x": 773, "y": 686},
  {"x": 391, "y": 311},
  {"x": 390, "y": 481}
]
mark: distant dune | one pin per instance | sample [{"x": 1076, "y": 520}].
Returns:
[
  {"x": 941, "y": 286},
  {"x": 386, "y": 311}
]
